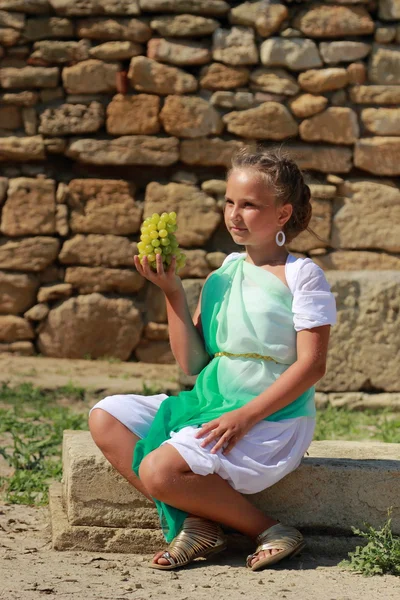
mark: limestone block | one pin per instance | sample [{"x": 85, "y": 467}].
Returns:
[
  {"x": 192, "y": 289},
  {"x": 133, "y": 114},
  {"x": 307, "y": 105},
  {"x": 296, "y": 54},
  {"x": 158, "y": 353},
  {"x": 132, "y": 30},
  {"x": 91, "y": 325},
  {"x": 70, "y": 119},
  {"x": 343, "y": 51},
  {"x": 335, "y": 21},
  {"x": 215, "y": 259},
  {"x": 20, "y": 98},
  {"x": 10, "y": 117},
  {"x": 209, "y": 151},
  {"x": 46, "y": 28},
  {"x": 148, "y": 75},
  {"x": 30, "y": 121},
  {"x": 196, "y": 265},
  {"x": 198, "y": 214},
  {"x": 98, "y": 251},
  {"x": 55, "y": 145},
  {"x": 222, "y": 77},
  {"x": 335, "y": 125},
  {"x": 276, "y": 81},
  {"x": 30, "y": 207},
  {"x": 384, "y": 65},
  {"x": 37, "y": 312},
  {"x": 378, "y": 155},
  {"x": 389, "y": 10},
  {"x": 265, "y": 18},
  {"x": 98, "y": 279},
  {"x": 31, "y": 7},
  {"x": 323, "y": 80},
  {"x": 13, "y": 329},
  {"x": 358, "y": 260},
  {"x": 320, "y": 223},
  {"x": 51, "y": 95},
  {"x": 95, "y": 7},
  {"x": 29, "y": 77},
  {"x": 90, "y": 77},
  {"x": 10, "y": 19},
  {"x": 327, "y": 159},
  {"x": 381, "y": 121},
  {"x": 103, "y": 206},
  {"x": 189, "y": 116},
  {"x": 375, "y": 208},
  {"x": 54, "y": 292},
  {"x": 235, "y": 46},
  {"x": 157, "y": 332},
  {"x": 155, "y": 304},
  {"x": 28, "y": 254},
  {"x": 269, "y": 121},
  {"x": 375, "y": 94},
  {"x": 17, "y": 292},
  {"x": 184, "y": 26},
  {"x": 9, "y": 36},
  {"x": 319, "y": 190},
  {"x": 177, "y": 52},
  {"x": 197, "y": 7},
  {"x": 114, "y": 51},
  {"x": 357, "y": 73},
  {"x": 3, "y": 188},
  {"x": 54, "y": 52},
  {"x": 125, "y": 150},
  {"x": 368, "y": 309},
  {"x": 385, "y": 35},
  {"x": 215, "y": 187}
]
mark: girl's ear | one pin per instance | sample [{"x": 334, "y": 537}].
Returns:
[{"x": 284, "y": 214}]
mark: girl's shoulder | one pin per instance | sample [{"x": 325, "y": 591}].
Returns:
[
  {"x": 233, "y": 256},
  {"x": 302, "y": 274}
]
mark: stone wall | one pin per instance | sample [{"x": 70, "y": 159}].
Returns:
[{"x": 111, "y": 109}]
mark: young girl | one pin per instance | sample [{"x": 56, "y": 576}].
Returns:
[{"x": 258, "y": 342}]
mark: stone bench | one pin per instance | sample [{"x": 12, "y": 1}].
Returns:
[{"x": 339, "y": 485}]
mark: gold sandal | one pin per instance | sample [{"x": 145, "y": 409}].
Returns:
[
  {"x": 281, "y": 537},
  {"x": 199, "y": 538}
]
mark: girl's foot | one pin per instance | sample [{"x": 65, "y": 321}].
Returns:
[
  {"x": 274, "y": 544},
  {"x": 199, "y": 538}
]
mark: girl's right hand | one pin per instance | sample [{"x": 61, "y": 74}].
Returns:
[{"x": 168, "y": 280}]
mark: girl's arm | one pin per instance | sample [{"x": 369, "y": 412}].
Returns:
[{"x": 186, "y": 339}]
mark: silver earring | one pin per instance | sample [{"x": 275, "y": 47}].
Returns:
[{"x": 280, "y": 238}]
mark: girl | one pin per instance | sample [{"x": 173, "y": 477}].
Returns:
[{"x": 258, "y": 341}]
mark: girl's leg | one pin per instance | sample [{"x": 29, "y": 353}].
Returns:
[
  {"x": 117, "y": 444},
  {"x": 168, "y": 478}
]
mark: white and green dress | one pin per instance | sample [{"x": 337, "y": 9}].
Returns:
[{"x": 244, "y": 310}]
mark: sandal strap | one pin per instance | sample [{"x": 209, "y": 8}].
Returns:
[
  {"x": 277, "y": 537},
  {"x": 196, "y": 536}
]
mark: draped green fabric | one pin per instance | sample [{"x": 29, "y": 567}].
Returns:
[{"x": 244, "y": 309}]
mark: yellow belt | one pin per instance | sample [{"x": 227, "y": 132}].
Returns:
[{"x": 247, "y": 355}]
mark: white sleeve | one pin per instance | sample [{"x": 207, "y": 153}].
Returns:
[
  {"x": 232, "y": 256},
  {"x": 313, "y": 302}
]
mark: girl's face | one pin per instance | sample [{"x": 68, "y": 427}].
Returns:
[{"x": 251, "y": 215}]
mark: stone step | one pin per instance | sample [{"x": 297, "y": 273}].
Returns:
[{"x": 339, "y": 485}]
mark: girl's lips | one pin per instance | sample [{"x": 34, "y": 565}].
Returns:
[{"x": 238, "y": 228}]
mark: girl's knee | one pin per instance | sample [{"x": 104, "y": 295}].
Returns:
[
  {"x": 157, "y": 471},
  {"x": 100, "y": 425}
]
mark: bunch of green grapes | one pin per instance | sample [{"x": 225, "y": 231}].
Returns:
[{"x": 158, "y": 238}]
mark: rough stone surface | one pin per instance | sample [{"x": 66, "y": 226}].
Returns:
[
  {"x": 54, "y": 292},
  {"x": 326, "y": 159},
  {"x": 90, "y": 7},
  {"x": 375, "y": 94},
  {"x": 335, "y": 125},
  {"x": 276, "y": 81},
  {"x": 389, "y": 10},
  {"x": 9, "y": 36},
  {"x": 335, "y": 21},
  {"x": 98, "y": 251},
  {"x": 384, "y": 65},
  {"x": 91, "y": 325},
  {"x": 3, "y": 189},
  {"x": 125, "y": 150},
  {"x": 343, "y": 51},
  {"x": 208, "y": 152},
  {"x": 103, "y": 206},
  {"x": 20, "y": 98},
  {"x": 60, "y": 53},
  {"x": 196, "y": 265},
  {"x": 368, "y": 314},
  {"x": 157, "y": 332},
  {"x": 154, "y": 352},
  {"x": 28, "y": 254},
  {"x": 10, "y": 117},
  {"x": 30, "y": 207},
  {"x": 37, "y": 312},
  {"x": 222, "y": 77},
  {"x": 215, "y": 259},
  {"x": 97, "y": 279},
  {"x": 307, "y": 105},
  {"x": 376, "y": 208},
  {"x": 199, "y": 7},
  {"x": 381, "y": 121},
  {"x": 131, "y": 30},
  {"x": 177, "y": 52},
  {"x": 320, "y": 223},
  {"x": 198, "y": 214},
  {"x": 70, "y": 119},
  {"x": 46, "y": 28},
  {"x": 13, "y": 329},
  {"x": 184, "y": 26},
  {"x": 270, "y": 120},
  {"x": 90, "y": 77},
  {"x": 22, "y": 148},
  {"x": 295, "y": 53},
  {"x": 357, "y": 73},
  {"x": 190, "y": 117},
  {"x": 358, "y": 260},
  {"x": 215, "y": 187},
  {"x": 378, "y": 155},
  {"x": 29, "y": 77},
  {"x": 323, "y": 80},
  {"x": 17, "y": 292},
  {"x": 148, "y": 75},
  {"x": 235, "y": 46},
  {"x": 266, "y": 19},
  {"x": 111, "y": 51},
  {"x": 155, "y": 302},
  {"x": 133, "y": 114},
  {"x": 14, "y": 20}
]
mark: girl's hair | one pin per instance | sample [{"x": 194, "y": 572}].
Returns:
[{"x": 287, "y": 182}]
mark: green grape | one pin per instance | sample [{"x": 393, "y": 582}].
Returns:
[
  {"x": 151, "y": 227},
  {"x": 163, "y": 233},
  {"x": 153, "y": 265},
  {"x": 155, "y": 218},
  {"x": 165, "y": 241},
  {"x": 148, "y": 249},
  {"x": 157, "y": 251},
  {"x": 172, "y": 216},
  {"x": 155, "y": 243},
  {"x": 145, "y": 238},
  {"x": 157, "y": 238},
  {"x": 170, "y": 227},
  {"x": 165, "y": 216},
  {"x": 151, "y": 257},
  {"x": 161, "y": 224},
  {"x": 154, "y": 235},
  {"x": 141, "y": 246}
]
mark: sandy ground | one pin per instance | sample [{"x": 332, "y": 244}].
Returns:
[{"x": 30, "y": 569}]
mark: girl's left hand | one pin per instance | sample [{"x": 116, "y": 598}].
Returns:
[{"x": 227, "y": 429}]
